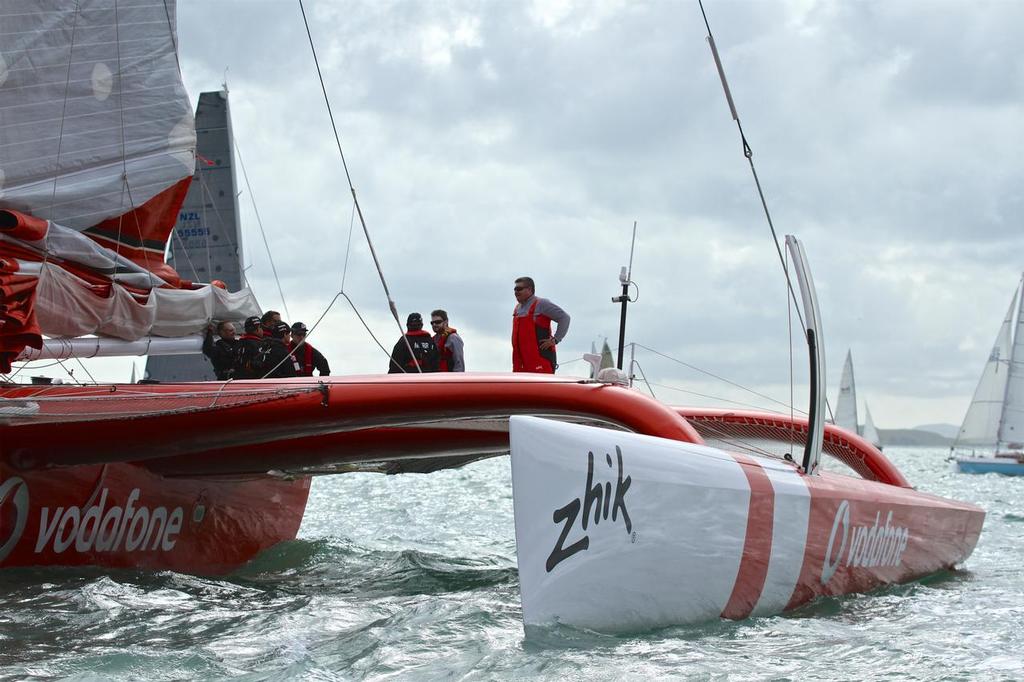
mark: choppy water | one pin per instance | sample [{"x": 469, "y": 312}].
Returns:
[{"x": 414, "y": 577}]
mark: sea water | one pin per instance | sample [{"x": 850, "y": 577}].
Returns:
[{"x": 414, "y": 577}]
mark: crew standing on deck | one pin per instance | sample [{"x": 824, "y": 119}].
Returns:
[
  {"x": 424, "y": 351},
  {"x": 247, "y": 352},
  {"x": 449, "y": 343},
  {"x": 221, "y": 350},
  {"x": 307, "y": 357},
  {"x": 276, "y": 360},
  {"x": 533, "y": 345}
]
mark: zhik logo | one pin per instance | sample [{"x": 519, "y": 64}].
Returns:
[
  {"x": 593, "y": 495},
  {"x": 16, "y": 490}
]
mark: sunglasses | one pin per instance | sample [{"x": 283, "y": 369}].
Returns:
[
  {"x": 437, "y": 322},
  {"x": 519, "y": 288}
]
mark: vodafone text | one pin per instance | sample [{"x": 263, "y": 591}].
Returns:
[
  {"x": 129, "y": 528},
  {"x": 869, "y": 546}
]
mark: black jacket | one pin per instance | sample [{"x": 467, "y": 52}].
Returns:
[
  {"x": 424, "y": 350},
  {"x": 222, "y": 354}
]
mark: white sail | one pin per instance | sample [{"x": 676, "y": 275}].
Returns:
[
  {"x": 870, "y": 432},
  {"x": 1011, "y": 427},
  {"x": 95, "y": 120},
  {"x": 981, "y": 423},
  {"x": 846, "y": 402}
]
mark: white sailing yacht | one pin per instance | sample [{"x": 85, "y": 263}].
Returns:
[
  {"x": 846, "y": 407},
  {"x": 995, "y": 418}
]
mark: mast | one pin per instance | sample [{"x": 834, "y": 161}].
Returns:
[{"x": 816, "y": 351}]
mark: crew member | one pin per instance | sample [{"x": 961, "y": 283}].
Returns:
[
  {"x": 307, "y": 357},
  {"x": 221, "y": 350},
  {"x": 424, "y": 356},
  {"x": 533, "y": 345},
  {"x": 269, "y": 319},
  {"x": 247, "y": 352},
  {"x": 277, "y": 360},
  {"x": 449, "y": 343}
]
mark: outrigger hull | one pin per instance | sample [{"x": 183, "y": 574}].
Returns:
[{"x": 624, "y": 532}]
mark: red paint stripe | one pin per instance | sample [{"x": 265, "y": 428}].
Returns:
[{"x": 757, "y": 546}]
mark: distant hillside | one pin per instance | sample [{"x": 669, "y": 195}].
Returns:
[
  {"x": 913, "y": 437},
  {"x": 947, "y": 430}
]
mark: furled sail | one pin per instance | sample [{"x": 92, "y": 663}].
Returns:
[
  {"x": 981, "y": 423},
  {"x": 1011, "y": 427},
  {"x": 97, "y": 150},
  {"x": 846, "y": 403}
]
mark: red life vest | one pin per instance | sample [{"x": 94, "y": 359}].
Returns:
[
  {"x": 303, "y": 359},
  {"x": 441, "y": 339},
  {"x": 527, "y": 333}
]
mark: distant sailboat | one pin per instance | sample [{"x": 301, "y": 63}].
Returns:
[
  {"x": 846, "y": 407},
  {"x": 995, "y": 418}
]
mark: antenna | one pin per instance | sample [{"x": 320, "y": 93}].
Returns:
[{"x": 625, "y": 279}]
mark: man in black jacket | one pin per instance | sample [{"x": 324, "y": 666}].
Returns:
[
  {"x": 425, "y": 356},
  {"x": 222, "y": 350},
  {"x": 276, "y": 360}
]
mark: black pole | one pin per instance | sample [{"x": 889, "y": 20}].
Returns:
[{"x": 624, "y": 299}]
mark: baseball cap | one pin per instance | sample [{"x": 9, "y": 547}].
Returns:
[
  {"x": 299, "y": 328},
  {"x": 252, "y": 324},
  {"x": 279, "y": 329},
  {"x": 414, "y": 319}
]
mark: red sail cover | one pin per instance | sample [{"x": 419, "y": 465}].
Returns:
[{"x": 96, "y": 135}]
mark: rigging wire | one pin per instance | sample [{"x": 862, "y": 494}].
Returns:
[
  {"x": 355, "y": 199},
  {"x": 712, "y": 375},
  {"x": 749, "y": 154},
  {"x": 259, "y": 221}
]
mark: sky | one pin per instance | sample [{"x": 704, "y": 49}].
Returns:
[{"x": 490, "y": 140}]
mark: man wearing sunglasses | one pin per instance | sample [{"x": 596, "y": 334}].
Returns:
[
  {"x": 533, "y": 345},
  {"x": 449, "y": 343}
]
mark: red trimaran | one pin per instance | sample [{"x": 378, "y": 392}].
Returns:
[{"x": 635, "y": 514}]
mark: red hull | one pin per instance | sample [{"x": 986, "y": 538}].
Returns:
[
  {"x": 123, "y": 516},
  {"x": 196, "y": 457}
]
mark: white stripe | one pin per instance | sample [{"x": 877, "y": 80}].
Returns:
[{"x": 789, "y": 537}]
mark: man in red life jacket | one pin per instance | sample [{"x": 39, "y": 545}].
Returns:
[
  {"x": 308, "y": 358},
  {"x": 424, "y": 351},
  {"x": 247, "y": 351},
  {"x": 533, "y": 345},
  {"x": 449, "y": 343}
]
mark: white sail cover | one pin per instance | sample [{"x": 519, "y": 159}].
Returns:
[
  {"x": 1011, "y": 428},
  {"x": 981, "y": 423},
  {"x": 870, "y": 432},
  {"x": 87, "y": 99},
  {"x": 846, "y": 402}
]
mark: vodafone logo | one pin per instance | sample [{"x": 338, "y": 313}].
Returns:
[
  {"x": 869, "y": 546},
  {"x": 13, "y": 505}
]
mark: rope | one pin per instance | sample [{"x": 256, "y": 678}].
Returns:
[
  {"x": 259, "y": 221},
  {"x": 352, "y": 189}
]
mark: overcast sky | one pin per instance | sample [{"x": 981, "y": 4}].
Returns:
[{"x": 489, "y": 140}]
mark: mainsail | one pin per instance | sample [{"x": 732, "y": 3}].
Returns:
[
  {"x": 846, "y": 403},
  {"x": 982, "y": 423},
  {"x": 97, "y": 150},
  {"x": 870, "y": 433}
]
